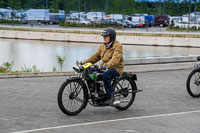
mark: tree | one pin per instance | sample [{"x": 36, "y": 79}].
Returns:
[
  {"x": 54, "y": 6},
  {"x": 3, "y": 3},
  {"x": 171, "y": 7}
]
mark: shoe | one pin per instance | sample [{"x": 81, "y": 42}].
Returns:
[{"x": 109, "y": 101}]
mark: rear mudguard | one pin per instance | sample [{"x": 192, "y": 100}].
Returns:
[{"x": 133, "y": 78}]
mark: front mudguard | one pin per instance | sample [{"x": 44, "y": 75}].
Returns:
[{"x": 196, "y": 67}]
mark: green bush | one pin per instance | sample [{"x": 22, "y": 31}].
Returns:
[
  {"x": 60, "y": 61},
  {"x": 3, "y": 70},
  {"x": 182, "y": 29},
  {"x": 2, "y": 21},
  {"x": 25, "y": 69},
  {"x": 67, "y": 24},
  {"x": 6, "y": 67}
]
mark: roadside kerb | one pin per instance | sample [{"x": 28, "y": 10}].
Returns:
[
  {"x": 160, "y": 60},
  {"x": 38, "y": 74},
  {"x": 131, "y": 65}
]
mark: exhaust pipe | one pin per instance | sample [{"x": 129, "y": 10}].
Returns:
[{"x": 116, "y": 103}]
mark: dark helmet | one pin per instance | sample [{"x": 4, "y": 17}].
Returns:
[{"x": 109, "y": 32}]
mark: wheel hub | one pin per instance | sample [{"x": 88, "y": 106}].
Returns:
[
  {"x": 71, "y": 96},
  {"x": 197, "y": 82},
  {"x": 125, "y": 92}
]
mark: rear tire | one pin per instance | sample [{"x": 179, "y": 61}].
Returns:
[
  {"x": 193, "y": 83},
  {"x": 72, "y": 97},
  {"x": 126, "y": 92}
]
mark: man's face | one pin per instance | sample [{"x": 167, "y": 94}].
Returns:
[{"x": 106, "y": 39}]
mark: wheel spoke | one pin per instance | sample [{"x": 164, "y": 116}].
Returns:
[
  {"x": 125, "y": 95},
  {"x": 73, "y": 96},
  {"x": 78, "y": 99}
]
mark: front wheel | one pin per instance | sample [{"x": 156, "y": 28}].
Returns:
[
  {"x": 193, "y": 83},
  {"x": 72, "y": 96},
  {"x": 125, "y": 90}
]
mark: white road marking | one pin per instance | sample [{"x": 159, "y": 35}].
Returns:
[
  {"x": 106, "y": 121},
  {"x": 130, "y": 131}
]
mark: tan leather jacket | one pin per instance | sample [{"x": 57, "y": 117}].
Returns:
[{"x": 112, "y": 56}]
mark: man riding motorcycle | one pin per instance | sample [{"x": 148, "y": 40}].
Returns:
[{"x": 111, "y": 54}]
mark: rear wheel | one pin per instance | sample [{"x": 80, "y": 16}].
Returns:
[
  {"x": 193, "y": 83},
  {"x": 72, "y": 97},
  {"x": 125, "y": 91}
]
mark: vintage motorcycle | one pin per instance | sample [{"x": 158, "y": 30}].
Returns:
[
  {"x": 193, "y": 81},
  {"x": 76, "y": 92}
]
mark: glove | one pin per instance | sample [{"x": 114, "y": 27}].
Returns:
[
  {"x": 104, "y": 67},
  {"x": 80, "y": 62}
]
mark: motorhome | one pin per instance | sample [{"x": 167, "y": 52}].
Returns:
[
  {"x": 115, "y": 17},
  {"x": 95, "y": 17},
  {"x": 5, "y": 13},
  {"x": 137, "y": 19},
  {"x": 78, "y": 15}
]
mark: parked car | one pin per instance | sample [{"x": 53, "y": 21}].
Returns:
[
  {"x": 182, "y": 24},
  {"x": 78, "y": 21},
  {"x": 161, "y": 20},
  {"x": 111, "y": 22},
  {"x": 84, "y": 22},
  {"x": 129, "y": 24},
  {"x": 54, "y": 19}
]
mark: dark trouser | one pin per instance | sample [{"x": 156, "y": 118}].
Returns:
[{"x": 107, "y": 77}]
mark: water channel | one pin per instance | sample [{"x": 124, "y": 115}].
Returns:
[{"x": 43, "y": 53}]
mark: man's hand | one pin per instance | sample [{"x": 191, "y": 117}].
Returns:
[
  {"x": 104, "y": 67},
  {"x": 81, "y": 62}
]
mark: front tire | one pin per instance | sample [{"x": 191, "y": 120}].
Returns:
[
  {"x": 125, "y": 91},
  {"x": 193, "y": 83},
  {"x": 72, "y": 96}
]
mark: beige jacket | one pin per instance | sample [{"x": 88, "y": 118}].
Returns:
[{"x": 112, "y": 56}]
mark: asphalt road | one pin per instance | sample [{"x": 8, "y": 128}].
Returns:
[{"x": 164, "y": 106}]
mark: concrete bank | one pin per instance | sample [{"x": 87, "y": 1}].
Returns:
[
  {"x": 93, "y": 36},
  {"x": 131, "y": 65}
]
